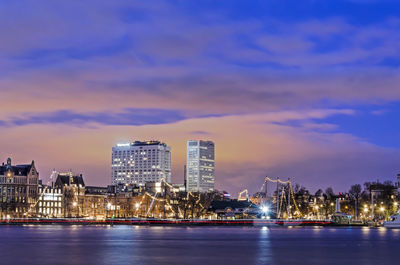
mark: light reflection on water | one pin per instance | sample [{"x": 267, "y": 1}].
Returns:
[{"x": 196, "y": 245}]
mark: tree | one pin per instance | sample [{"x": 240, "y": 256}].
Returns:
[
  {"x": 329, "y": 193},
  {"x": 319, "y": 193},
  {"x": 355, "y": 192},
  {"x": 329, "y": 204}
]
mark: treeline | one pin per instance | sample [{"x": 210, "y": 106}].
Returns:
[{"x": 367, "y": 201}]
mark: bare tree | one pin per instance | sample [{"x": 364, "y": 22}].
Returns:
[{"x": 355, "y": 192}]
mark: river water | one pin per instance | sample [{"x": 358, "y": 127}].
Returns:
[{"x": 53, "y": 244}]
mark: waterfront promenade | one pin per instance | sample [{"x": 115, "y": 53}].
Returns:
[{"x": 175, "y": 222}]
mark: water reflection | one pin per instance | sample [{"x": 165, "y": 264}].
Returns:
[
  {"x": 196, "y": 245},
  {"x": 382, "y": 231},
  {"x": 264, "y": 255},
  {"x": 365, "y": 230}
]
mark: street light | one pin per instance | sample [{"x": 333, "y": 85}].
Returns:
[
  {"x": 382, "y": 209},
  {"x": 74, "y": 204},
  {"x": 265, "y": 209}
]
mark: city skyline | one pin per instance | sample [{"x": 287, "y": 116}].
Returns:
[{"x": 302, "y": 90}]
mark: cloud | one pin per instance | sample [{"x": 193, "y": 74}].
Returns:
[
  {"x": 379, "y": 112},
  {"x": 249, "y": 150},
  {"x": 200, "y": 133},
  {"x": 139, "y": 117},
  {"x": 156, "y": 56},
  {"x": 259, "y": 79},
  {"x": 136, "y": 117}
]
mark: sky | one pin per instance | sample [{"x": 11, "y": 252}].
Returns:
[{"x": 307, "y": 90}]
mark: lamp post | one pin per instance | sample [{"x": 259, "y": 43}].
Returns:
[{"x": 382, "y": 210}]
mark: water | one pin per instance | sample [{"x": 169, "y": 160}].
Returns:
[{"x": 197, "y": 245}]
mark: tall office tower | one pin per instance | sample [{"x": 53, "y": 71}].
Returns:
[
  {"x": 200, "y": 166},
  {"x": 140, "y": 162}
]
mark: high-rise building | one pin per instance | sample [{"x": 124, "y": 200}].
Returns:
[
  {"x": 141, "y": 162},
  {"x": 200, "y": 166}
]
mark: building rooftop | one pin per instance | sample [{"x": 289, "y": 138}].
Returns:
[
  {"x": 68, "y": 179},
  {"x": 141, "y": 143},
  {"x": 18, "y": 170}
]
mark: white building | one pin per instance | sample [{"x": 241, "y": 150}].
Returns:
[
  {"x": 140, "y": 162},
  {"x": 200, "y": 166},
  {"x": 50, "y": 201}
]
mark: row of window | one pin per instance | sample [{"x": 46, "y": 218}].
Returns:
[
  {"x": 12, "y": 199},
  {"x": 50, "y": 210},
  {"x": 50, "y": 204}
]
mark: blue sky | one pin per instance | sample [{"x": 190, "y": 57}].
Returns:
[
  {"x": 302, "y": 81},
  {"x": 377, "y": 124}
]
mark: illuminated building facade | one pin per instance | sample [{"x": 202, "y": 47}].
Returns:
[
  {"x": 140, "y": 162},
  {"x": 50, "y": 202},
  {"x": 18, "y": 190},
  {"x": 73, "y": 190},
  {"x": 200, "y": 166}
]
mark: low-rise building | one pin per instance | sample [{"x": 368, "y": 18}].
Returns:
[
  {"x": 95, "y": 202},
  {"x": 73, "y": 190},
  {"x": 18, "y": 190},
  {"x": 50, "y": 201}
]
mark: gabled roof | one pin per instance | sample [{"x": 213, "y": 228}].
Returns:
[
  {"x": 65, "y": 179},
  {"x": 18, "y": 170}
]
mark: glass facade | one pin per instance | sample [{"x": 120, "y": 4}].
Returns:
[{"x": 200, "y": 166}]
